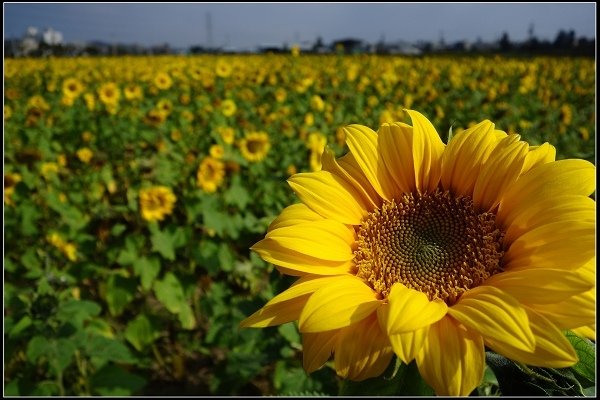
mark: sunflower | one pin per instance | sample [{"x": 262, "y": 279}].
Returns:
[
  {"x": 163, "y": 81},
  {"x": 432, "y": 252},
  {"x": 85, "y": 154},
  {"x": 228, "y": 107},
  {"x": 109, "y": 94},
  {"x": 223, "y": 68},
  {"x": 10, "y": 181},
  {"x": 156, "y": 202},
  {"x": 210, "y": 175},
  {"x": 255, "y": 146},
  {"x": 72, "y": 88},
  {"x": 133, "y": 92}
]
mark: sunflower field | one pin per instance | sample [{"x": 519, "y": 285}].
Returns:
[{"x": 134, "y": 188}]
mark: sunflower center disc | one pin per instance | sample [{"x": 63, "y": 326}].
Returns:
[{"x": 435, "y": 243}]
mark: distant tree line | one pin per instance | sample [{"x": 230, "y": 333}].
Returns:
[{"x": 566, "y": 43}]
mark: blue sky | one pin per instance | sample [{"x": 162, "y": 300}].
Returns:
[{"x": 246, "y": 25}]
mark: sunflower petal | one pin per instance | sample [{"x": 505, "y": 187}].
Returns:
[
  {"x": 362, "y": 142},
  {"x": 341, "y": 303},
  {"x": 427, "y": 150},
  {"x": 540, "y": 285},
  {"x": 317, "y": 348},
  {"x": 326, "y": 239},
  {"x": 586, "y": 332},
  {"x": 330, "y": 196},
  {"x": 571, "y": 313},
  {"x": 410, "y": 310},
  {"x": 405, "y": 345},
  {"x": 552, "y": 349},
  {"x": 287, "y": 305},
  {"x": 297, "y": 264},
  {"x": 293, "y": 215},
  {"x": 464, "y": 156},
  {"x": 501, "y": 170},
  {"x": 564, "y": 244},
  {"x": 362, "y": 350},
  {"x": 539, "y": 155},
  {"x": 452, "y": 360},
  {"x": 496, "y": 315},
  {"x": 553, "y": 209},
  {"x": 545, "y": 181},
  {"x": 347, "y": 169},
  {"x": 395, "y": 144}
]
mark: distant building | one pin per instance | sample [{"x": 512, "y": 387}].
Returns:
[{"x": 52, "y": 37}]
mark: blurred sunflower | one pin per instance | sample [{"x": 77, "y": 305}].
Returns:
[
  {"x": 210, "y": 175},
  {"x": 156, "y": 202},
  {"x": 68, "y": 249},
  {"x": 228, "y": 107},
  {"x": 133, "y": 92},
  {"x": 223, "y": 68},
  {"x": 109, "y": 94},
  {"x": 85, "y": 154},
  {"x": 255, "y": 146},
  {"x": 72, "y": 88},
  {"x": 227, "y": 133},
  {"x": 10, "y": 181},
  {"x": 163, "y": 81},
  {"x": 432, "y": 252}
]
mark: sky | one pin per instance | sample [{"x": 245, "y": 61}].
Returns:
[{"x": 244, "y": 26}]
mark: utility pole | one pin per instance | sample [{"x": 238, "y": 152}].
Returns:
[{"x": 209, "y": 30}]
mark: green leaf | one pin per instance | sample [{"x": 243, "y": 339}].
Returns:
[
  {"x": 117, "y": 229},
  {"x": 61, "y": 354},
  {"x": 30, "y": 214},
  {"x": 119, "y": 293},
  {"x": 133, "y": 245},
  {"x": 586, "y": 351},
  {"x": 170, "y": 293},
  {"x": 236, "y": 194},
  {"x": 112, "y": 380},
  {"x": 186, "y": 317},
  {"x": 20, "y": 326},
  {"x": 163, "y": 243},
  {"x": 77, "y": 311},
  {"x": 207, "y": 256},
  {"x": 105, "y": 349},
  {"x": 30, "y": 260},
  {"x": 290, "y": 332},
  {"x": 148, "y": 269},
  {"x": 140, "y": 332},
  {"x": 37, "y": 346},
  {"x": 226, "y": 257}
]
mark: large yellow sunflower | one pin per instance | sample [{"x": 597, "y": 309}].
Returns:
[{"x": 406, "y": 245}]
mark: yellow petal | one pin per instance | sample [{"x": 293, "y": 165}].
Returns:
[
  {"x": 276, "y": 314},
  {"x": 362, "y": 142},
  {"x": 317, "y": 347},
  {"x": 464, "y": 156},
  {"x": 338, "y": 305},
  {"x": 330, "y": 196},
  {"x": 540, "y": 285},
  {"x": 571, "y": 313},
  {"x": 326, "y": 239},
  {"x": 405, "y": 345},
  {"x": 287, "y": 305},
  {"x": 549, "y": 210},
  {"x": 347, "y": 168},
  {"x": 410, "y": 310},
  {"x": 293, "y": 215},
  {"x": 544, "y": 181},
  {"x": 586, "y": 332},
  {"x": 495, "y": 315},
  {"x": 395, "y": 145},
  {"x": 501, "y": 169},
  {"x": 362, "y": 350},
  {"x": 539, "y": 155},
  {"x": 452, "y": 360},
  {"x": 563, "y": 245},
  {"x": 427, "y": 150},
  {"x": 552, "y": 348},
  {"x": 297, "y": 264}
]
